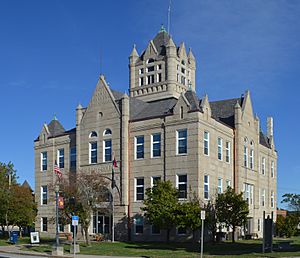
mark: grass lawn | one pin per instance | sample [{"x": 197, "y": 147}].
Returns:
[{"x": 243, "y": 248}]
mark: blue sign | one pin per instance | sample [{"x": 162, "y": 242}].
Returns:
[{"x": 75, "y": 218}]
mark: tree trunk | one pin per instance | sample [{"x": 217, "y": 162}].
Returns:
[
  {"x": 233, "y": 233},
  {"x": 87, "y": 237},
  {"x": 20, "y": 231}
]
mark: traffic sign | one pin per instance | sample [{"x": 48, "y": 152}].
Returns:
[
  {"x": 203, "y": 215},
  {"x": 75, "y": 220}
]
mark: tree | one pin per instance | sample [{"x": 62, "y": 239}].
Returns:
[
  {"x": 188, "y": 215},
  {"x": 161, "y": 206},
  {"x": 286, "y": 226},
  {"x": 8, "y": 178},
  {"x": 293, "y": 201},
  {"x": 211, "y": 218},
  {"x": 23, "y": 210},
  {"x": 232, "y": 209},
  {"x": 82, "y": 196}
]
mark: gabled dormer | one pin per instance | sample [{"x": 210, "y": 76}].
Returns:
[{"x": 163, "y": 70}]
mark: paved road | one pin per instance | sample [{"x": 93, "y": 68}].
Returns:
[{"x": 10, "y": 255}]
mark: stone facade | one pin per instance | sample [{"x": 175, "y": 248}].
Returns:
[{"x": 162, "y": 130}]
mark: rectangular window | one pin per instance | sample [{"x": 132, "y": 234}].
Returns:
[
  {"x": 177, "y": 77},
  {"x": 245, "y": 156},
  {"x": 182, "y": 141},
  {"x": 93, "y": 152},
  {"x": 150, "y": 79},
  {"x": 263, "y": 197},
  {"x": 220, "y": 142},
  {"x": 44, "y": 226},
  {"x": 73, "y": 157},
  {"x": 182, "y": 186},
  {"x": 156, "y": 143},
  {"x": 61, "y": 158},
  {"x": 139, "y": 147},
  {"x": 138, "y": 225},
  {"x": 158, "y": 77},
  {"x": 263, "y": 165},
  {"x": 150, "y": 69},
  {"x": 272, "y": 169},
  {"x": 272, "y": 199},
  {"x": 44, "y": 194},
  {"x": 227, "y": 152},
  {"x": 183, "y": 80},
  {"x": 107, "y": 150},
  {"x": 139, "y": 189},
  {"x": 141, "y": 81},
  {"x": 220, "y": 185},
  {"x": 44, "y": 161},
  {"x": 154, "y": 180},
  {"x": 248, "y": 193},
  {"x": 228, "y": 183},
  {"x": 206, "y": 143},
  {"x": 251, "y": 159},
  {"x": 206, "y": 187},
  {"x": 258, "y": 225},
  {"x": 141, "y": 71},
  {"x": 155, "y": 230},
  {"x": 159, "y": 67}
]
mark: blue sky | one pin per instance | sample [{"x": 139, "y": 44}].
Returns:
[{"x": 52, "y": 52}]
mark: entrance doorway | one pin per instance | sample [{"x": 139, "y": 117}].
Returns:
[{"x": 102, "y": 224}]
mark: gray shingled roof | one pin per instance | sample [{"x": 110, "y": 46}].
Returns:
[
  {"x": 193, "y": 100},
  {"x": 160, "y": 42},
  {"x": 264, "y": 140},
  {"x": 152, "y": 109},
  {"x": 55, "y": 128},
  {"x": 223, "y": 110}
]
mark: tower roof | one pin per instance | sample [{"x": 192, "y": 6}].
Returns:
[
  {"x": 160, "y": 41},
  {"x": 55, "y": 127}
]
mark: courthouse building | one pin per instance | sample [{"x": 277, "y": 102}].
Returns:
[{"x": 160, "y": 131}]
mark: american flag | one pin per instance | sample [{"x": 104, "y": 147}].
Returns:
[{"x": 57, "y": 170}]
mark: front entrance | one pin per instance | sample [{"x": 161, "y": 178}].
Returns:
[{"x": 102, "y": 224}]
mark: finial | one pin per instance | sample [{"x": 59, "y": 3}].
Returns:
[
  {"x": 54, "y": 117},
  {"x": 162, "y": 28}
]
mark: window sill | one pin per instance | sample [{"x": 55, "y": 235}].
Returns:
[{"x": 181, "y": 154}]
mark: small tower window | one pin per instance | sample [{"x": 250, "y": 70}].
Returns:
[
  {"x": 150, "y": 79},
  {"x": 159, "y": 77},
  {"x": 183, "y": 62},
  {"x": 93, "y": 134},
  {"x": 150, "y": 60},
  {"x": 182, "y": 70},
  {"x": 107, "y": 132},
  {"x": 159, "y": 67},
  {"x": 141, "y": 71},
  {"x": 150, "y": 69},
  {"x": 141, "y": 81},
  {"x": 181, "y": 112}
]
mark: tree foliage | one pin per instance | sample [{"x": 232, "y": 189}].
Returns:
[
  {"x": 161, "y": 206},
  {"x": 211, "y": 219},
  {"x": 286, "y": 226},
  {"x": 293, "y": 201},
  {"x": 188, "y": 215},
  {"x": 17, "y": 203},
  {"x": 82, "y": 196},
  {"x": 232, "y": 209}
]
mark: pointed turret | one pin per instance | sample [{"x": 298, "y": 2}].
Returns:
[
  {"x": 191, "y": 56},
  {"x": 182, "y": 51}
]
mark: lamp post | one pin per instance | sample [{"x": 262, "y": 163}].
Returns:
[{"x": 56, "y": 189}]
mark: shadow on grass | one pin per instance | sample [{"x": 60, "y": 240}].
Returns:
[{"x": 225, "y": 248}]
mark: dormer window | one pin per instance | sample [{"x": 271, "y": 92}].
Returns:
[
  {"x": 93, "y": 134},
  {"x": 150, "y": 60},
  {"x": 107, "y": 132}
]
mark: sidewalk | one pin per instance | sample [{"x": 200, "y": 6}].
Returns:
[{"x": 16, "y": 249}]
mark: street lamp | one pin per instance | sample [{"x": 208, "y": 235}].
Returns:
[{"x": 56, "y": 189}]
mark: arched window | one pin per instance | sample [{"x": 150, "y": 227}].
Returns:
[
  {"x": 93, "y": 134},
  {"x": 107, "y": 132}
]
